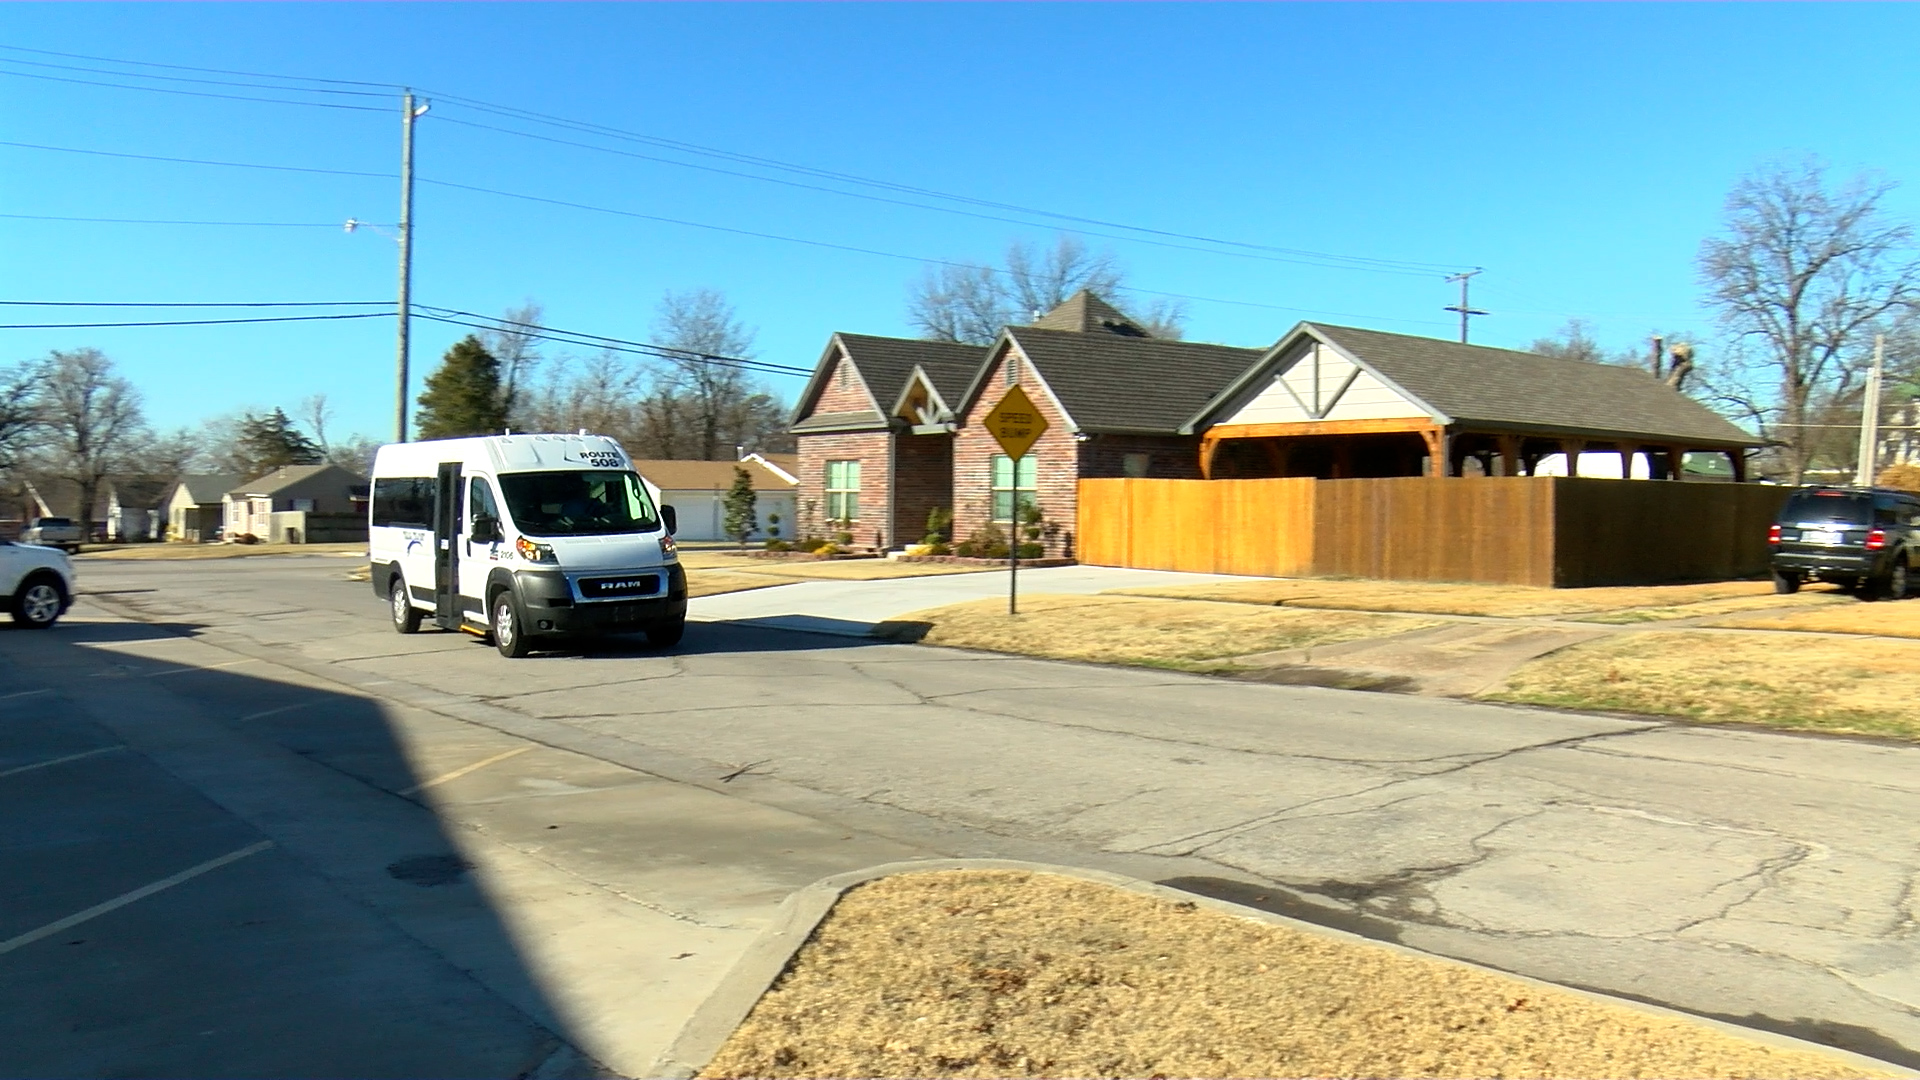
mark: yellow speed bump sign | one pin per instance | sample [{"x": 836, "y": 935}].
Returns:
[{"x": 1016, "y": 425}]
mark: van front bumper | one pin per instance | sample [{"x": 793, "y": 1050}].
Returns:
[{"x": 547, "y": 605}]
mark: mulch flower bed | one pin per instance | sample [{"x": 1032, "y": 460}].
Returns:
[
  {"x": 966, "y": 560},
  {"x": 806, "y": 556}
]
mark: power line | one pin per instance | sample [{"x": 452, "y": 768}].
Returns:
[
  {"x": 1353, "y": 262},
  {"x": 190, "y": 79},
  {"x": 1328, "y": 262},
  {"x": 197, "y": 304},
  {"x": 172, "y": 221},
  {"x": 601, "y": 341},
  {"x": 199, "y": 161},
  {"x": 192, "y": 93},
  {"x": 185, "y": 67},
  {"x": 196, "y": 322}
]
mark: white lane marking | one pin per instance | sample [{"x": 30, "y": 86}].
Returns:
[
  {"x": 202, "y": 667},
  {"x": 59, "y": 760},
  {"x": 458, "y": 773},
  {"x": 23, "y": 693},
  {"x": 126, "y": 898},
  {"x": 273, "y": 712}
]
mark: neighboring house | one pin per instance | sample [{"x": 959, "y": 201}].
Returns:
[
  {"x": 195, "y": 508},
  {"x": 890, "y": 428},
  {"x": 61, "y": 498},
  {"x": 875, "y": 432},
  {"x": 697, "y": 491},
  {"x": 134, "y": 511},
  {"x": 1335, "y": 402},
  {"x": 299, "y": 504},
  {"x": 787, "y": 465}
]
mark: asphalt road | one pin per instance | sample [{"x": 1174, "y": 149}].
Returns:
[{"x": 477, "y": 864}]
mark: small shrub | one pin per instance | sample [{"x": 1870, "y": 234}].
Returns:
[
  {"x": 777, "y": 544},
  {"x": 1032, "y": 551},
  {"x": 844, "y": 538},
  {"x": 986, "y": 542},
  {"x": 939, "y": 526},
  {"x": 940, "y": 548},
  {"x": 809, "y": 542},
  {"x": 828, "y": 549}
]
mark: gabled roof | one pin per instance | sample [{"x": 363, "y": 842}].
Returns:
[
  {"x": 138, "y": 493},
  {"x": 205, "y": 488},
  {"x": 885, "y": 364},
  {"x": 1085, "y": 313},
  {"x": 676, "y": 475},
  {"x": 281, "y": 479},
  {"x": 1518, "y": 391},
  {"x": 1107, "y": 382}
]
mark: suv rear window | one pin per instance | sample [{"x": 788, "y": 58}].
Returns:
[
  {"x": 1842, "y": 506},
  {"x": 55, "y": 521}
]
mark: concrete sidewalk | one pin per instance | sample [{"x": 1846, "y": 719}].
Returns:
[{"x": 855, "y": 607}]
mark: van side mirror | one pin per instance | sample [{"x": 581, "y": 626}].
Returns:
[
  {"x": 670, "y": 519},
  {"x": 486, "y": 529}
]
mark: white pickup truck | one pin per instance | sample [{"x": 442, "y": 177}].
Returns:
[
  {"x": 36, "y": 584},
  {"x": 53, "y": 532}
]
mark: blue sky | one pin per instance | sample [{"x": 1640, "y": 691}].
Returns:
[{"x": 1579, "y": 153}]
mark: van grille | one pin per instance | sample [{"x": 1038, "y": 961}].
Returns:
[{"x": 601, "y": 588}]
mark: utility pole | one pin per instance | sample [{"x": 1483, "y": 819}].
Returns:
[
  {"x": 1870, "y": 416},
  {"x": 408, "y": 115},
  {"x": 1466, "y": 310}
]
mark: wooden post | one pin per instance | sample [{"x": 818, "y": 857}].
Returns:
[
  {"x": 1509, "y": 455},
  {"x": 1572, "y": 448},
  {"x": 1738, "y": 459},
  {"x": 1439, "y": 452},
  {"x": 1677, "y": 461},
  {"x": 1627, "y": 452},
  {"x": 1209, "y": 444}
]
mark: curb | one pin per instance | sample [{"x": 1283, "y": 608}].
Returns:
[{"x": 794, "y": 922}]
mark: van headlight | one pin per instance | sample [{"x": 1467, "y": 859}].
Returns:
[
  {"x": 533, "y": 552},
  {"x": 669, "y": 551}
]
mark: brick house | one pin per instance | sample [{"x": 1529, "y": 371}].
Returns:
[
  {"x": 875, "y": 434},
  {"x": 1114, "y": 398}
]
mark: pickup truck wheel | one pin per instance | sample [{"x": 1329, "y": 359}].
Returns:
[
  {"x": 37, "y": 604},
  {"x": 1785, "y": 583},
  {"x": 508, "y": 635},
  {"x": 406, "y": 617}
]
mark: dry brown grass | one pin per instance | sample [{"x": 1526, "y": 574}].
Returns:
[
  {"x": 1131, "y": 630},
  {"x": 1435, "y": 598},
  {"x": 1819, "y": 684},
  {"x": 217, "y": 551},
  {"x": 1898, "y": 619},
  {"x": 1813, "y": 598},
  {"x": 997, "y": 973}
]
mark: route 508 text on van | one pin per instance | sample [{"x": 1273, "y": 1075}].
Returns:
[{"x": 521, "y": 537}]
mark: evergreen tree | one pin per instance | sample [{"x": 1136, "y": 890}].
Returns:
[
  {"x": 272, "y": 441},
  {"x": 740, "y": 519},
  {"x": 463, "y": 397}
]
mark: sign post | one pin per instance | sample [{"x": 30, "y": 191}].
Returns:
[{"x": 1016, "y": 425}]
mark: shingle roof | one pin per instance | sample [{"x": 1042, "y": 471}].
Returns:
[
  {"x": 1107, "y": 382},
  {"x": 672, "y": 475},
  {"x": 1518, "y": 389},
  {"x": 866, "y": 420},
  {"x": 205, "y": 488},
  {"x": 886, "y": 363},
  {"x": 1086, "y": 313},
  {"x": 290, "y": 475}
]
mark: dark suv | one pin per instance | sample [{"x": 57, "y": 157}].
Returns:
[{"x": 1865, "y": 540}]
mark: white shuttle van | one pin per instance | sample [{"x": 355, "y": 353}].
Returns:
[{"x": 519, "y": 537}]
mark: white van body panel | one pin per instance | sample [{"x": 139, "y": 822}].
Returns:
[{"x": 414, "y": 547}]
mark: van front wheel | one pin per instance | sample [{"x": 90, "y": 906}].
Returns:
[
  {"x": 507, "y": 635},
  {"x": 406, "y": 617}
]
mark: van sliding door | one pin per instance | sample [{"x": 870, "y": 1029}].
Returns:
[{"x": 446, "y": 546}]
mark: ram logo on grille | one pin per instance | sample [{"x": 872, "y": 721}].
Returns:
[{"x": 637, "y": 585}]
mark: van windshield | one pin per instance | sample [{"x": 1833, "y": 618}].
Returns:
[{"x": 587, "y": 503}]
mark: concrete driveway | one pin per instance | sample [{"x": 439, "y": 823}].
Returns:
[{"x": 633, "y": 817}]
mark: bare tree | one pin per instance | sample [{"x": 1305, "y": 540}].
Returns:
[
  {"x": 93, "y": 422},
  {"x": 1801, "y": 279},
  {"x": 705, "y": 337},
  {"x": 971, "y": 303},
  {"x": 315, "y": 413},
  {"x": 1573, "y": 341},
  {"x": 19, "y": 413},
  {"x": 516, "y": 345}
]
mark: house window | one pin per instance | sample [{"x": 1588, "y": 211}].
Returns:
[
  {"x": 1013, "y": 368},
  {"x": 1135, "y": 465},
  {"x": 305, "y": 505},
  {"x": 1011, "y": 480},
  {"x": 843, "y": 491}
]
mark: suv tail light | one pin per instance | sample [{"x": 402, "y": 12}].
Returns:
[
  {"x": 1773, "y": 534},
  {"x": 1876, "y": 539}
]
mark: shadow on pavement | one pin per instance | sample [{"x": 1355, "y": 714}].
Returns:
[{"x": 204, "y": 873}]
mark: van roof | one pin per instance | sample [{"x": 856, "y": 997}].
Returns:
[{"x": 502, "y": 453}]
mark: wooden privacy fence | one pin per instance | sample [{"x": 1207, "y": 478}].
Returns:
[{"x": 1545, "y": 530}]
